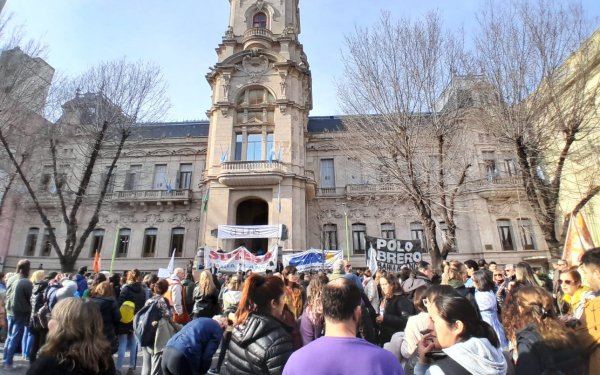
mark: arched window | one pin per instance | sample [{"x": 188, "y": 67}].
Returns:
[
  {"x": 177, "y": 236},
  {"x": 359, "y": 231},
  {"x": 123, "y": 244},
  {"x": 149, "y": 248},
  {"x": 388, "y": 230},
  {"x": 259, "y": 20}
]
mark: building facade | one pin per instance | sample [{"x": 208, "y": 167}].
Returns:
[{"x": 261, "y": 159}]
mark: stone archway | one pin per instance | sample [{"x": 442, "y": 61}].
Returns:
[{"x": 252, "y": 212}]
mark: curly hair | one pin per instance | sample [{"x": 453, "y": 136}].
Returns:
[
  {"x": 78, "y": 340},
  {"x": 314, "y": 293},
  {"x": 533, "y": 305}
]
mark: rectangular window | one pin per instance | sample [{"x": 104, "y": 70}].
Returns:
[
  {"x": 149, "y": 242},
  {"x": 177, "y": 235},
  {"x": 123, "y": 244},
  {"x": 270, "y": 151},
  {"x": 359, "y": 232},
  {"x": 31, "y": 241},
  {"x": 97, "y": 240},
  {"x": 132, "y": 178},
  {"x": 185, "y": 176},
  {"x": 511, "y": 169},
  {"x": 160, "y": 177},
  {"x": 444, "y": 229},
  {"x": 327, "y": 174},
  {"x": 254, "y": 151},
  {"x": 418, "y": 233},
  {"x": 239, "y": 141},
  {"x": 489, "y": 164},
  {"x": 388, "y": 230},
  {"x": 111, "y": 181},
  {"x": 526, "y": 233},
  {"x": 505, "y": 233},
  {"x": 46, "y": 244},
  {"x": 330, "y": 241},
  {"x": 45, "y": 181}
]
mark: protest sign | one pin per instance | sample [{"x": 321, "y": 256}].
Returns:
[
  {"x": 391, "y": 254},
  {"x": 312, "y": 259},
  {"x": 241, "y": 259}
]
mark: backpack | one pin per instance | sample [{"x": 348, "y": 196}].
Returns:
[
  {"x": 145, "y": 324},
  {"x": 127, "y": 311},
  {"x": 367, "y": 328}
]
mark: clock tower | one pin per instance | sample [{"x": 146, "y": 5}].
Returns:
[{"x": 256, "y": 155}]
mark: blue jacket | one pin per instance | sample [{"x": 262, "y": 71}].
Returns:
[
  {"x": 82, "y": 284},
  {"x": 198, "y": 341}
]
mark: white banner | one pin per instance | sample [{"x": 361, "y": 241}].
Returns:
[
  {"x": 313, "y": 259},
  {"x": 241, "y": 259},
  {"x": 249, "y": 231}
]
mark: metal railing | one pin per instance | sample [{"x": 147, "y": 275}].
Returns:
[
  {"x": 254, "y": 166},
  {"x": 149, "y": 195},
  {"x": 258, "y": 31}
]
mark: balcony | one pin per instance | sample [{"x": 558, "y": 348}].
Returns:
[
  {"x": 497, "y": 187},
  {"x": 258, "y": 35},
  {"x": 148, "y": 196},
  {"x": 374, "y": 189},
  {"x": 251, "y": 173},
  {"x": 331, "y": 192}
]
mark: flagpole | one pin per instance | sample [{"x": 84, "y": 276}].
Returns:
[
  {"x": 347, "y": 235},
  {"x": 114, "y": 253}
]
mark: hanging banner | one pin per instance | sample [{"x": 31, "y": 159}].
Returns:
[
  {"x": 392, "y": 254},
  {"x": 312, "y": 260},
  {"x": 249, "y": 231},
  {"x": 578, "y": 241},
  {"x": 241, "y": 259}
]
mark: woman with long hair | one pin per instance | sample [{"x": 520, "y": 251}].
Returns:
[
  {"x": 469, "y": 344},
  {"x": 487, "y": 304},
  {"x": 75, "y": 343},
  {"x": 206, "y": 297},
  {"x": 542, "y": 341},
  {"x": 312, "y": 320},
  {"x": 523, "y": 277},
  {"x": 103, "y": 296},
  {"x": 294, "y": 296},
  {"x": 258, "y": 329},
  {"x": 132, "y": 291},
  {"x": 34, "y": 337},
  {"x": 574, "y": 295},
  {"x": 394, "y": 309},
  {"x": 231, "y": 298},
  {"x": 370, "y": 288},
  {"x": 100, "y": 277}
]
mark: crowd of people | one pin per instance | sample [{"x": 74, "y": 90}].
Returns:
[{"x": 470, "y": 318}]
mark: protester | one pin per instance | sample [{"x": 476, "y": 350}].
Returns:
[
  {"x": 231, "y": 298},
  {"x": 574, "y": 294},
  {"x": 394, "y": 310},
  {"x": 176, "y": 296},
  {"x": 115, "y": 281},
  {"x": 75, "y": 343},
  {"x": 102, "y": 295},
  {"x": 206, "y": 297},
  {"x": 588, "y": 333},
  {"x": 294, "y": 295},
  {"x": 148, "y": 284},
  {"x": 37, "y": 334},
  {"x": 27, "y": 341},
  {"x": 523, "y": 277},
  {"x": 81, "y": 281},
  {"x": 416, "y": 323},
  {"x": 470, "y": 344},
  {"x": 258, "y": 329},
  {"x": 348, "y": 274},
  {"x": 502, "y": 291},
  {"x": 191, "y": 350},
  {"x": 471, "y": 267},
  {"x": 421, "y": 278},
  {"x": 98, "y": 278},
  {"x": 189, "y": 286},
  {"x": 18, "y": 310},
  {"x": 487, "y": 304},
  {"x": 543, "y": 343},
  {"x": 166, "y": 328},
  {"x": 311, "y": 322},
  {"x": 54, "y": 285},
  {"x": 132, "y": 291},
  {"x": 3, "y": 321},
  {"x": 498, "y": 278},
  {"x": 370, "y": 288},
  {"x": 457, "y": 275},
  {"x": 341, "y": 308}
]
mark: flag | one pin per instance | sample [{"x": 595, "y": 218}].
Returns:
[
  {"x": 205, "y": 200},
  {"x": 97, "y": 262},
  {"x": 224, "y": 156},
  {"x": 372, "y": 264},
  {"x": 171, "y": 265},
  {"x": 578, "y": 240}
]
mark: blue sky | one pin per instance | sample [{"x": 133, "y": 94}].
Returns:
[{"x": 181, "y": 36}]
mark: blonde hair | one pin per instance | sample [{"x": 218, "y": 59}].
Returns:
[
  {"x": 206, "y": 285},
  {"x": 78, "y": 340},
  {"x": 234, "y": 283},
  {"x": 37, "y": 276}
]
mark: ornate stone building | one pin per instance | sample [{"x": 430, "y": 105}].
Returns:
[{"x": 260, "y": 159}]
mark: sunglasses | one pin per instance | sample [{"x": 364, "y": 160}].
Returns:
[{"x": 568, "y": 282}]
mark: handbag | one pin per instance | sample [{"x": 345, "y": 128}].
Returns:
[{"x": 39, "y": 321}]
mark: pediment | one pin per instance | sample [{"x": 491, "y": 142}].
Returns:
[
  {"x": 185, "y": 151},
  {"x": 135, "y": 153},
  {"x": 160, "y": 152}
]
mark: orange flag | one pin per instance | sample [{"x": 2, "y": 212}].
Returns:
[
  {"x": 578, "y": 240},
  {"x": 97, "y": 262}
]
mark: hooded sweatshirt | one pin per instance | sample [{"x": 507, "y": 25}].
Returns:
[{"x": 476, "y": 355}]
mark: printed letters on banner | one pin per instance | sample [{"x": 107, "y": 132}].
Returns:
[
  {"x": 249, "y": 231},
  {"x": 241, "y": 259},
  {"x": 392, "y": 254}
]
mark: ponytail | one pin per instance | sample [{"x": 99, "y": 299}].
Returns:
[{"x": 257, "y": 295}]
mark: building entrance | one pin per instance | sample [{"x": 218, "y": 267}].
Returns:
[{"x": 252, "y": 212}]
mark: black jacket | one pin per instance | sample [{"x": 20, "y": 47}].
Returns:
[
  {"x": 45, "y": 365},
  {"x": 37, "y": 297},
  {"x": 535, "y": 356},
  {"x": 205, "y": 306},
  {"x": 397, "y": 311},
  {"x": 110, "y": 317},
  {"x": 260, "y": 346},
  {"x": 135, "y": 293}
]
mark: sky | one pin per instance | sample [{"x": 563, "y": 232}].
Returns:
[{"x": 181, "y": 37}]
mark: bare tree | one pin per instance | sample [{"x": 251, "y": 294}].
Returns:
[
  {"x": 406, "y": 123},
  {"x": 110, "y": 100},
  {"x": 545, "y": 106}
]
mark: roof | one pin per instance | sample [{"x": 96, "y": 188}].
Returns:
[
  {"x": 321, "y": 124},
  {"x": 173, "y": 129}
]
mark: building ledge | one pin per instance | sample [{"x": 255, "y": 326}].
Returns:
[{"x": 139, "y": 196}]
